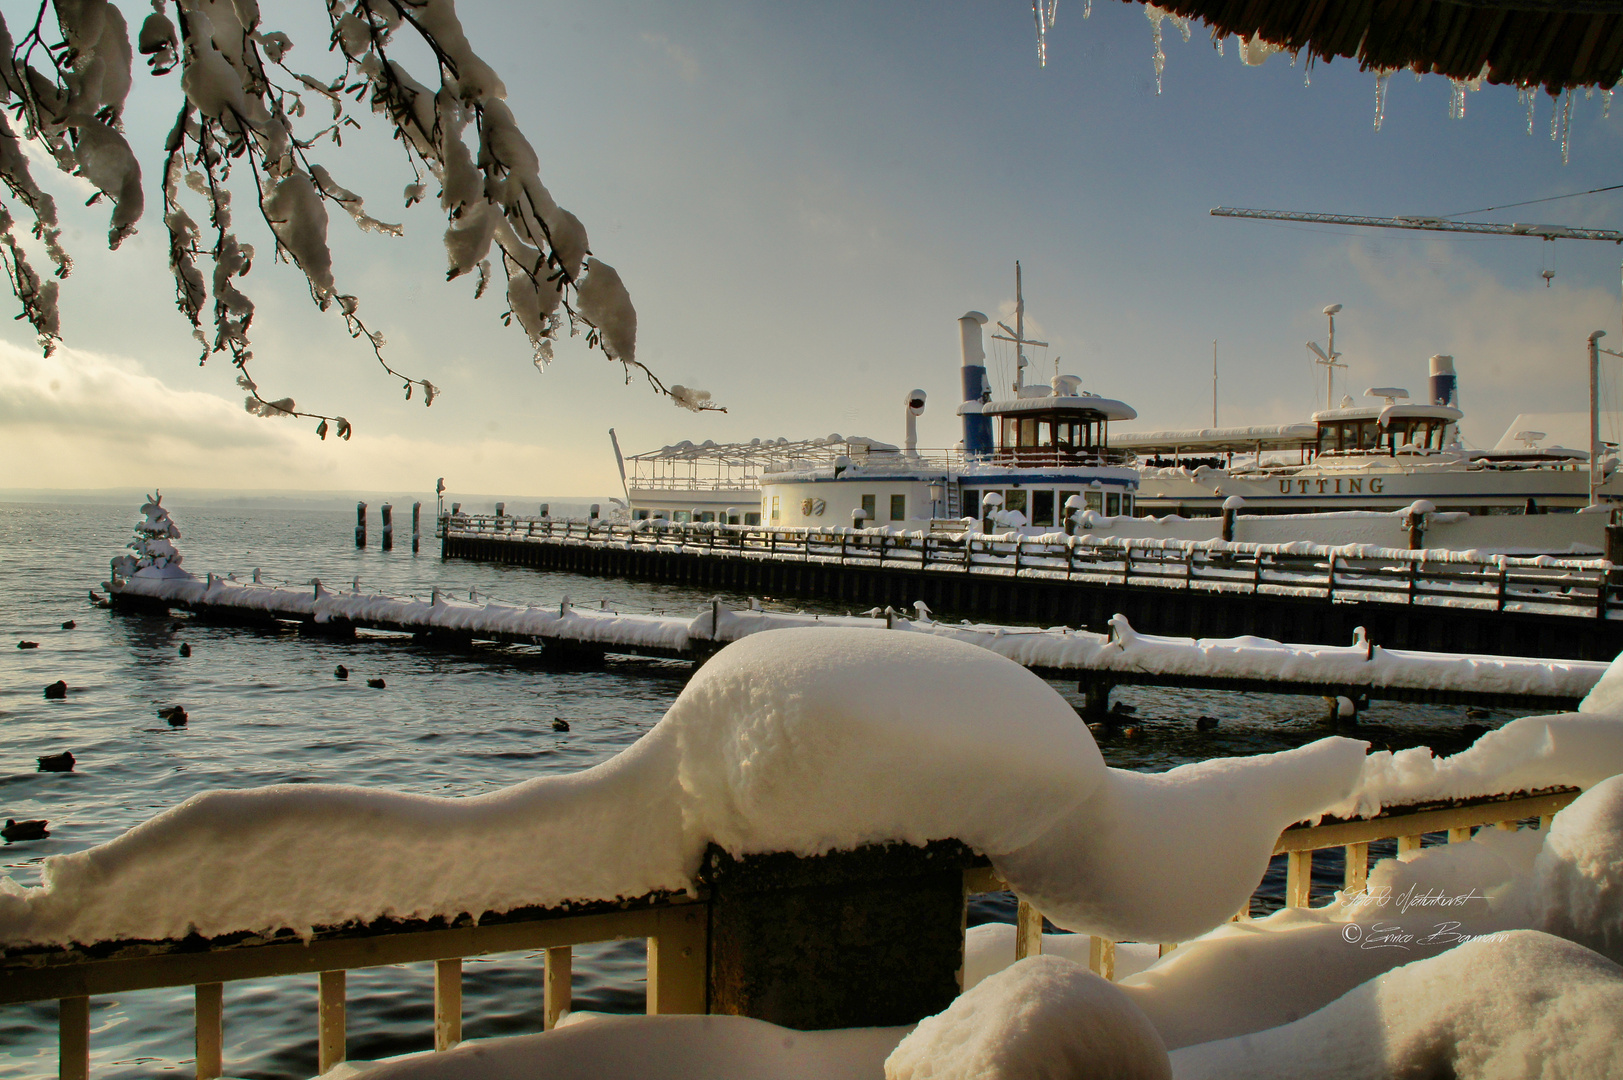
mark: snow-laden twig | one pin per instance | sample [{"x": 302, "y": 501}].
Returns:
[{"x": 243, "y": 104}]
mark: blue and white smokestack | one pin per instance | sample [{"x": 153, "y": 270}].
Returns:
[
  {"x": 1444, "y": 388},
  {"x": 977, "y": 427}
]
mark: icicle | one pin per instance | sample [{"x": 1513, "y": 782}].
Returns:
[
  {"x": 1530, "y": 99},
  {"x": 1605, "y": 104},
  {"x": 1043, "y": 12},
  {"x": 1381, "y": 80},
  {"x": 1566, "y": 128},
  {"x": 1087, "y": 9},
  {"x": 1217, "y": 43},
  {"x": 1555, "y": 121},
  {"x": 1155, "y": 15},
  {"x": 1456, "y": 104}
]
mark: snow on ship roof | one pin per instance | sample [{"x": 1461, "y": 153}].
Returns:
[
  {"x": 1270, "y": 436},
  {"x": 760, "y": 451},
  {"x": 1385, "y": 412},
  {"x": 1109, "y": 408}
]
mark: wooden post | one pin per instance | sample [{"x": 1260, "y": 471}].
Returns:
[
  {"x": 1356, "y": 877},
  {"x": 1165, "y": 947},
  {"x": 330, "y": 1020},
  {"x": 1330, "y": 579},
  {"x": 1500, "y": 606},
  {"x": 388, "y": 527},
  {"x": 73, "y": 1038},
  {"x": 360, "y": 524},
  {"x": 677, "y": 962},
  {"x": 1460, "y": 835},
  {"x": 1298, "y": 878},
  {"x": 558, "y": 988},
  {"x": 210, "y": 1030},
  {"x": 1028, "y": 931},
  {"x": 417, "y": 522},
  {"x": 447, "y": 1003},
  {"x": 1508, "y": 826},
  {"x": 1102, "y": 957},
  {"x": 871, "y": 937},
  {"x": 1545, "y": 822},
  {"x": 1407, "y": 844}
]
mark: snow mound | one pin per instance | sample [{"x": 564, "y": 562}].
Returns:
[
  {"x": 1578, "y": 877},
  {"x": 1125, "y": 862},
  {"x": 1043, "y": 1017},
  {"x": 1569, "y": 749},
  {"x": 793, "y": 740},
  {"x": 1606, "y": 696},
  {"x": 1518, "y": 1005},
  {"x": 657, "y": 1048}
]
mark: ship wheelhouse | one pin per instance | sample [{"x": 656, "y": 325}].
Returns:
[
  {"x": 1396, "y": 429},
  {"x": 1055, "y": 427}
]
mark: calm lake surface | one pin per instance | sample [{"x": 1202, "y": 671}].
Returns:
[{"x": 266, "y": 709}]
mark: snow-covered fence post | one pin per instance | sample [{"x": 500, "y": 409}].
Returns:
[
  {"x": 1231, "y": 510},
  {"x": 416, "y": 525},
  {"x": 1330, "y": 579},
  {"x": 360, "y": 524},
  {"x": 857, "y": 938},
  {"x": 388, "y": 527},
  {"x": 1028, "y": 931}
]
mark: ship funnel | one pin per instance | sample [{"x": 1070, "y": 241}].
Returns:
[
  {"x": 915, "y": 408},
  {"x": 977, "y": 428},
  {"x": 1444, "y": 388}
]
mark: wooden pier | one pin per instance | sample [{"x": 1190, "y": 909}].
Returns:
[
  {"x": 1431, "y": 600},
  {"x": 1098, "y": 662}
]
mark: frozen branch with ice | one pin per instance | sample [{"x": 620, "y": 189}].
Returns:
[{"x": 243, "y": 108}]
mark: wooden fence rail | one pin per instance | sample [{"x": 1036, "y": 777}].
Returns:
[
  {"x": 1575, "y": 587},
  {"x": 676, "y": 929}
]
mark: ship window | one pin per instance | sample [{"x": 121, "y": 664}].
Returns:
[
  {"x": 643, "y": 515},
  {"x": 1127, "y": 505},
  {"x": 898, "y": 508},
  {"x": 1028, "y": 433},
  {"x": 682, "y": 516},
  {"x": 1096, "y": 501},
  {"x": 774, "y": 509},
  {"x": 1014, "y": 500},
  {"x": 1112, "y": 504},
  {"x": 752, "y": 519},
  {"x": 1042, "y": 508},
  {"x": 870, "y": 505},
  {"x": 1009, "y": 428}
]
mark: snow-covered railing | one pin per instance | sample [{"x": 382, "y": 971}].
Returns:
[
  {"x": 1409, "y": 825},
  {"x": 675, "y": 927},
  {"x": 1346, "y": 573}
]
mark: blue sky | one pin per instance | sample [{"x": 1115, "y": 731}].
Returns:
[{"x": 803, "y": 198}]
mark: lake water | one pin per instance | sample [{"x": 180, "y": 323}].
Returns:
[{"x": 265, "y": 708}]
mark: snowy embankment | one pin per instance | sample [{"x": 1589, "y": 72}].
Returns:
[
  {"x": 807, "y": 741},
  {"x": 1123, "y": 650}
]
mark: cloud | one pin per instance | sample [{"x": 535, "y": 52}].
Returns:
[
  {"x": 82, "y": 420},
  {"x": 1516, "y": 348},
  {"x": 686, "y": 64}
]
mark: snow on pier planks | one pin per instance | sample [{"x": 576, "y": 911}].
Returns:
[{"x": 1123, "y": 656}]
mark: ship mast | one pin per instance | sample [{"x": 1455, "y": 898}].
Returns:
[{"x": 1018, "y": 334}]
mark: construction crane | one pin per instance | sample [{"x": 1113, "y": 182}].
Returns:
[{"x": 1425, "y": 224}]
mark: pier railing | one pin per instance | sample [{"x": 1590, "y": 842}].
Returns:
[
  {"x": 675, "y": 926},
  {"x": 1543, "y": 585}
]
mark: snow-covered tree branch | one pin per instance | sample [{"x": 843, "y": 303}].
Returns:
[{"x": 248, "y": 122}]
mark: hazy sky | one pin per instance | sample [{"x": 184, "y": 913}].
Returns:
[{"x": 802, "y": 200}]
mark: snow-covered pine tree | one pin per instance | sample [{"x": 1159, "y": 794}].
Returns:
[
  {"x": 241, "y": 109},
  {"x": 154, "y": 544}
]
